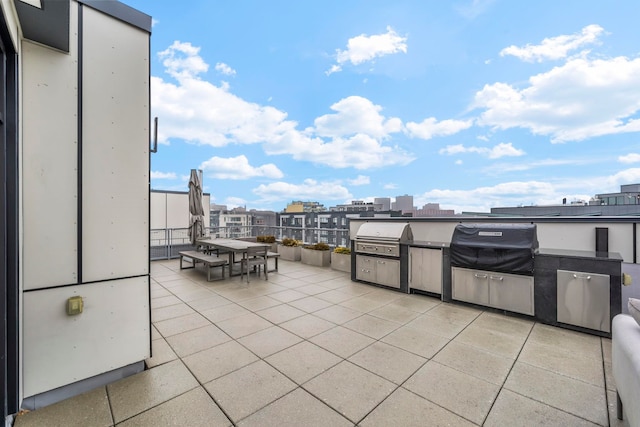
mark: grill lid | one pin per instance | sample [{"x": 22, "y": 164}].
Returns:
[
  {"x": 499, "y": 247},
  {"x": 385, "y": 231}
]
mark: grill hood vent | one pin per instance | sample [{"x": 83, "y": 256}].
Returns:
[{"x": 385, "y": 231}]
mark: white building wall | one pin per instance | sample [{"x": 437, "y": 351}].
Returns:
[
  {"x": 171, "y": 210},
  {"x": 84, "y": 234},
  {"x": 49, "y": 163},
  {"x": 115, "y": 148}
]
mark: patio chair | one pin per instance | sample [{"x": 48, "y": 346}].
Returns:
[{"x": 254, "y": 257}]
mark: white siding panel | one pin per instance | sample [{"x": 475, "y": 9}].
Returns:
[
  {"x": 111, "y": 332},
  {"x": 158, "y": 211},
  {"x": 49, "y": 165},
  {"x": 115, "y": 204},
  {"x": 177, "y": 210}
]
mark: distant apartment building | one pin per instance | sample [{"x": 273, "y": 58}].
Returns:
[
  {"x": 357, "y": 206},
  {"x": 331, "y": 227},
  {"x": 239, "y": 222},
  {"x": 234, "y": 225},
  {"x": 264, "y": 222},
  {"x": 626, "y": 202},
  {"x": 403, "y": 204},
  {"x": 432, "y": 209},
  {"x": 384, "y": 202},
  {"x": 300, "y": 206}
]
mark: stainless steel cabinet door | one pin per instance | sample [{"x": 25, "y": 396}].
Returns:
[
  {"x": 365, "y": 268},
  {"x": 425, "y": 269},
  {"x": 470, "y": 285},
  {"x": 388, "y": 272},
  {"x": 583, "y": 300},
  {"x": 511, "y": 292}
]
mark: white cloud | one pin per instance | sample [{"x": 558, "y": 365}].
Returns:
[
  {"x": 181, "y": 61},
  {"x": 501, "y": 168},
  {"x": 200, "y": 112},
  {"x": 629, "y": 158},
  {"x": 365, "y": 48},
  {"x": 238, "y": 168},
  {"x": 310, "y": 189},
  {"x": 359, "y": 151},
  {"x": 359, "y": 180},
  {"x": 525, "y": 193},
  {"x": 500, "y": 150},
  {"x": 223, "y": 68},
  {"x": 235, "y": 202},
  {"x": 356, "y": 115},
  {"x": 458, "y": 162},
  {"x": 163, "y": 175},
  {"x": 581, "y": 99},
  {"x": 555, "y": 48},
  {"x": 390, "y": 186},
  {"x": 482, "y": 199},
  {"x": 430, "y": 127}
]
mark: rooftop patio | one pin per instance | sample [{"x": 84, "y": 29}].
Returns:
[{"x": 311, "y": 347}]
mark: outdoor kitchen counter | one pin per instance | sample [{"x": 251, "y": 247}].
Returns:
[
  {"x": 429, "y": 244},
  {"x": 547, "y": 264}
]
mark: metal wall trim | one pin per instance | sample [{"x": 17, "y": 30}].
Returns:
[{"x": 79, "y": 138}]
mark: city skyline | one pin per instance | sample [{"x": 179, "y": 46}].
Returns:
[{"x": 469, "y": 104}]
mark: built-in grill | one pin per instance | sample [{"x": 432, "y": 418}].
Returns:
[
  {"x": 378, "y": 250},
  {"x": 492, "y": 265},
  {"x": 507, "y": 248}
]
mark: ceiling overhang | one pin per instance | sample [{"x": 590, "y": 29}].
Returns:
[
  {"x": 47, "y": 24},
  {"x": 47, "y": 21}
]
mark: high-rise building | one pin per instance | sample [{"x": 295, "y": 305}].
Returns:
[
  {"x": 300, "y": 206},
  {"x": 404, "y": 203},
  {"x": 384, "y": 202}
]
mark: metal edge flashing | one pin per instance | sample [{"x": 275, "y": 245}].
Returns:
[
  {"x": 149, "y": 208},
  {"x": 10, "y": 401},
  {"x": 122, "y": 12},
  {"x": 80, "y": 140},
  {"x": 74, "y": 389}
]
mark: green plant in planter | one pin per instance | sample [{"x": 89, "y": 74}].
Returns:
[
  {"x": 266, "y": 239},
  {"x": 291, "y": 242},
  {"x": 342, "y": 250},
  {"x": 318, "y": 247}
]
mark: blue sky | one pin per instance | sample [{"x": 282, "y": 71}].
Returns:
[{"x": 470, "y": 103}]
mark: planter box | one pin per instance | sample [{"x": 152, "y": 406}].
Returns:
[
  {"x": 341, "y": 262},
  {"x": 317, "y": 258},
  {"x": 289, "y": 253}
]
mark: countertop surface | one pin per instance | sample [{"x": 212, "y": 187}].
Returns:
[
  {"x": 428, "y": 244},
  {"x": 610, "y": 256}
]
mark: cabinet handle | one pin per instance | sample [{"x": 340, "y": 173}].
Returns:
[
  {"x": 480, "y": 276},
  {"x": 575, "y": 276},
  {"x": 500, "y": 278}
]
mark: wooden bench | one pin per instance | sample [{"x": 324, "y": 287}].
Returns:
[
  {"x": 210, "y": 261},
  {"x": 274, "y": 255}
]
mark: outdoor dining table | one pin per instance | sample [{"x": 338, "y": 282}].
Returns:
[{"x": 232, "y": 246}]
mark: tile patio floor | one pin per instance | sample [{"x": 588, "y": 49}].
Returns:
[{"x": 309, "y": 347}]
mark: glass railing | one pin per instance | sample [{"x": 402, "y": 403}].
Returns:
[{"x": 166, "y": 243}]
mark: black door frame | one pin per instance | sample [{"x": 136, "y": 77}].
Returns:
[{"x": 9, "y": 310}]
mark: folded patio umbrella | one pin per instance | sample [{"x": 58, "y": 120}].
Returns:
[{"x": 196, "y": 211}]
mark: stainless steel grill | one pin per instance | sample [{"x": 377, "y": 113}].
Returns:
[
  {"x": 377, "y": 252},
  {"x": 492, "y": 265},
  {"x": 382, "y": 238}
]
